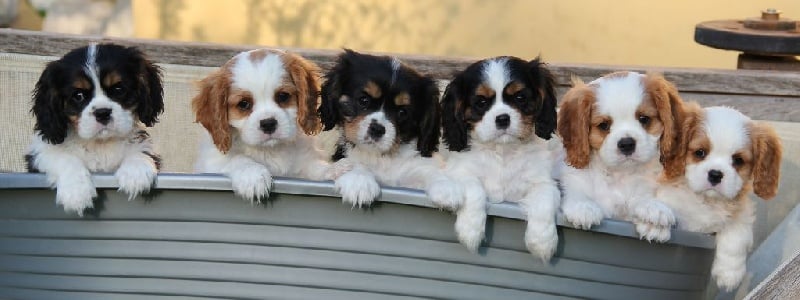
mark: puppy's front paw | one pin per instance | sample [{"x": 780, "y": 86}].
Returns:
[
  {"x": 470, "y": 227},
  {"x": 135, "y": 179},
  {"x": 357, "y": 188},
  {"x": 446, "y": 193},
  {"x": 541, "y": 239},
  {"x": 252, "y": 182},
  {"x": 653, "y": 221},
  {"x": 76, "y": 195},
  {"x": 728, "y": 277},
  {"x": 582, "y": 214}
]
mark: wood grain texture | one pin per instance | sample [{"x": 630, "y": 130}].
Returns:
[{"x": 784, "y": 283}]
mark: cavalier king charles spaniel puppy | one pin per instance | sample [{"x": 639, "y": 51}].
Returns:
[
  {"x": 388, "y": 116},
  {"x": 722, "y": 157},
  {"x": 499, "y": 115},
  {"x": 260, "y": 112},
  {"x": 91, "y": 108},
  {"x": 616, "y": 131}
]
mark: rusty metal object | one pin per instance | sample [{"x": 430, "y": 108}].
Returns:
[{"x": 769, "y": 42}]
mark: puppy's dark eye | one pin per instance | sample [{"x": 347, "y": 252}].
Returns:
[
  {"x": 700, "y": 153},
  {"x": 116, "y": 90},
  {"x": 604, "y": 126},
  {"x": 644, "y": 120},
  {"x": 402, "y": 112},
  {"x": 519, "y": 97},
  {"x": 79, "y": 96},
  {"x": 481, "y": 103},
  {"x": 364, "y": 101},
  {"x": 282, "y": 97},
  {"x": 738, "y": 161},
  {"x": 245, "y": 104}
]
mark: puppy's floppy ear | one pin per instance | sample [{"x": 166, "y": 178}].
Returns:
[
  {"x": 575, "y": 122},
  {"x": 305, "y": 75},
  {"x": 670, "y": 111},
  {"x": 688, "y": 125},
  {"x": 543, "y": 79},
  {"x": 332, "y": 91},
  {"x": 151, "y": 101},
  {"x": 210, "y": 107},
  {"x": 767, "y": 153},
  {"x": 48, "y": 106},
  {"x": 454, "y": 125},
  {"x": 430, "y": 129}
]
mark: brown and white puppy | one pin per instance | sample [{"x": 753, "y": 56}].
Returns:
[
  {"x": 260, "y": 111},
  {"x": 616, "y": 130},
  {"x": 722, "y": 157}
]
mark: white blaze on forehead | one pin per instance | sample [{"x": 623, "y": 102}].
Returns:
[
  {"x": 620, "y": 96},
  {"x": 395, "y": 69},
  {"x": 260, "y": 77},
  {"x": 90, "y": 66},
  {"x": 726, "y": 129},
  {"x": 496, "y": 74}
]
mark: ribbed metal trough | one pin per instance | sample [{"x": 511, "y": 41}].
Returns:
[{"x": 193, "y": 239}]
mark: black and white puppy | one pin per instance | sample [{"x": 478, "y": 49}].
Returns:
[
  {"x": 91, "y": 108},
  {"x": 498, "y": 117},
  {"x": 388, "y": 115}
]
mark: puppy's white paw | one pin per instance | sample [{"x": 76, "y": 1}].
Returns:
[
  {"x": 728, "y": 277},
  {"x": 135, "y": 178},
  {"x": 470, "y": 227},
  {"x": 76, "y": 195},
  {"x": 252, "y": 182},
  {"x": 446, "y": 193},
  {"x": 357, "y": 188},
  {"x": 582, "y": 214},
  {"x": 541, "y": 239},
  {"x": 653, "y": 221}
]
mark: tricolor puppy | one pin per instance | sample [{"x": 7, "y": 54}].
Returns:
[
  {"x": 388, "y": 116},
  {"x": 498, "y": 117},
  {"x": 723, "y": 157},
  {"x": 91, "y": 109},
  {"x": 259, "y": 110},
  {"x": 616, "y": 130}
]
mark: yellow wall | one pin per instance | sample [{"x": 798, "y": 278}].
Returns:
[{"x": 618, "y": 32}]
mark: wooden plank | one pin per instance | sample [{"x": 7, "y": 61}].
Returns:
[
  {"x": 783, "y": 283},
  {"x": 746, "y": 82}
]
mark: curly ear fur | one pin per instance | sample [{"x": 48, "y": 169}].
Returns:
[
  {"x": 670, "y": 111},
  {"x": 454, "y": 126},
  {"x": 430, "y": 127},
  {"x": 688, "y": 125},
  {"x": 767, "y": 150},
  {"x": 151, "y": 102},
  {"x": 331, "y": 92},
  {"x": 48, "y": 106},
  {"x": 210, "y": 107},
  {"x": 574, "y": 124},
  {"x": 546, "y": 118},
  {"x": 305, "y": 76}
]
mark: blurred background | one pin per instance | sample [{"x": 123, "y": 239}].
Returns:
[{"x": 610, "y": 32}]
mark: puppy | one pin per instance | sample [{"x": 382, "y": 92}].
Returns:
[
  {"x": 498, "y": 115},
  {"x": 615, "y": 131},
  {"x": 259, "y": 110},
  {"x": 388, "y": 116},
  {"x": 723, "y": 155},
  {"x": 91, "y": 108}
]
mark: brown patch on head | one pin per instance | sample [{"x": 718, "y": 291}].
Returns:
[
  {"x": 485, "y": 91},
  {"x": 305, "y": 82},
  {"x": 671, "y": 113},
  {"x": 575, "y": 123},
  {"x": 240, "y": 104},
  {"x": 513, "y": 88},
  {"x": 598, "y": 130},
  {"x": 111, "y": 79},
  {"x": 767, "y": 154},
  {"x": 402, "y": 99},
  {"x": 82, "y": 83},
  {"x": 648, "y": 111},
  {"x": 258, "y": 55},
  {"x": 373, "y": 90},
  {"x": 691, "y": 137},
  {"x": 210, "y": 107},
  {"x": 286, "y": 94}
]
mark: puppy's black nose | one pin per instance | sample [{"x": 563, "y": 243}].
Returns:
[
  {"x": 268, "y": 126},
  {"x": 714, "y": 177},
  {"x": 626, "y": 146},
  {"x": 376, "y": 130},
  {"x": 102, "y": 115},
  {"x": 502, "y": 121}
]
